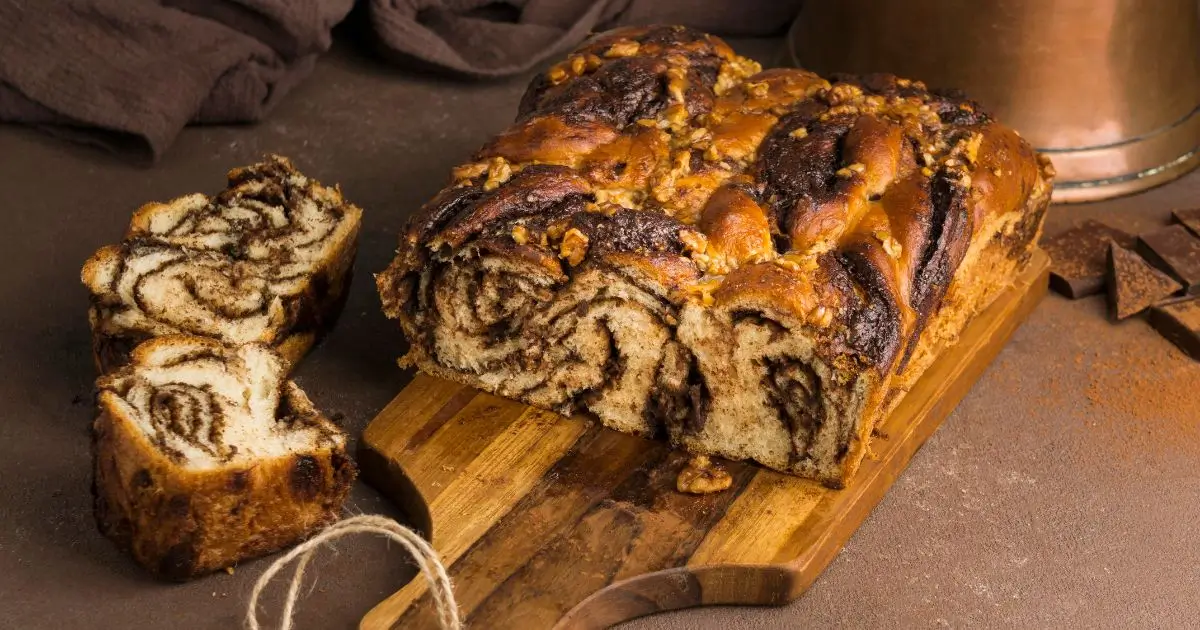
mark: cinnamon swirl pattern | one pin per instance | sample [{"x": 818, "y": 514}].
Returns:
[
  {"x": 206, "y": 455},
  {"x": 752, "y": 264},
  {"x": 267, "y": 260}
]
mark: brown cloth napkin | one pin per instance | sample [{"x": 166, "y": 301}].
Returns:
[
  {"x": 485, "y": 38},
  {"x": 130, "y": 74}
]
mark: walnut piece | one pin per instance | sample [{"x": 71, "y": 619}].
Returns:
[
  {"x": 701, "y": 476},
  {"x": 623, "y": 48},
  {"x": 574, "y": 246}
]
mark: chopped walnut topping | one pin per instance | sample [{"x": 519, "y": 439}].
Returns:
[
  {"x": 890, "y": 244},
  {"x": 578, "y": 64},
  {"x": 927, "y": 158},
  {"x": 701, "y": 476},
  {"x": 703, "y": 290},
  {"x": 802, "y": 262},
  {"x": 699, "y": 136},
  {"x": 574, "y": 246},
  {"x": 972, "y": 149},
  {"x": 842, "y": 93},
  {"x": 623, "y": 48},
  {"x": 788, "y": 263},
  {"x": 620, "y": 196},
  {"x": 799, "y": 132},
  {"x": 711, "y": 154},
  {"x": 467, "y": 172},
  {"x": 520, "y": 234},
  {"x": 694, "y": 241},
  {"x": 676, "y": 116},
  {"x": 1047, "y": 165},
  {"x": 683, "y": 163},
  {"x": 499, "y": 171},
  {"x": 845, "y": 173},
  {"x": 758, "y": 89},
  {"x": 676, "y": 81},
  {"x": 732, "y": 73},
  {"x": 721, "y": 264},
  {"x": 821, "y": 317},
  {"x": 647, "y": 122}
]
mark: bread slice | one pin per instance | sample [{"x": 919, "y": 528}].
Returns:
[
  {"x": 267, "y": 260},
  {"x": 205, "y": 455}
]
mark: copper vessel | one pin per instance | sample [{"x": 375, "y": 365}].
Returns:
[{"x": 1110, "y": 89}]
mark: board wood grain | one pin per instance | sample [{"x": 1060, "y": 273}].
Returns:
[{"x": 545, "y": 521}]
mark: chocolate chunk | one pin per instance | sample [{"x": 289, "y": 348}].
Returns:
[
  {"x": 1174, "y": 250},
  {"x": 1179, "y": 322},
  {"x": 1079, "y": 258},
  {"x": 1133, "y": 285},
  {"x": 1190, "y": 219},
  {"x": 306, "y": 477}
]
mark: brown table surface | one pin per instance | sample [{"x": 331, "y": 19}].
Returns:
[{"x": 1063, "y": 491}]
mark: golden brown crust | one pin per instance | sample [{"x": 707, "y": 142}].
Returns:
[
  {"x": 181, "y": 521},
  {"x": 838, "y": 210}
]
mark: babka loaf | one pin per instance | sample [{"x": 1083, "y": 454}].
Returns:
[
  {"x": 267, "y": 260},
  {"x": 206, "y": 455},
  {"x": 752, "y": 264}
]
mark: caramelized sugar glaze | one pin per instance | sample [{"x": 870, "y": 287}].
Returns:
[{"x": 667, "y": 227}]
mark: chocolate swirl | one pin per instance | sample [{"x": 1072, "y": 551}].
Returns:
[
  {"x": 755, "y": 263},
  {"x": 204, "y": 404}
]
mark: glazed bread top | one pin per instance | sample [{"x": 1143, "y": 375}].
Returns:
[
  {"x": 842, "y": 205},
  {"x": 205, "y": 405},
  {"x": 222, "y": 266}
]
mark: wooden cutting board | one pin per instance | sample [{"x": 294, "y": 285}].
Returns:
[{"x": 547, "y": 521}]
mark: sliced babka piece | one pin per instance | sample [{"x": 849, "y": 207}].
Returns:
[
  {"x": 267, "y": 260},
  {"x": 206, "y": 455}
]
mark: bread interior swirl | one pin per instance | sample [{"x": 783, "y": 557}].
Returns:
[
  {"x": 204, "y": 405},
  {"x": 755, "y": 264},
  {"x": 266, "y": 260}
]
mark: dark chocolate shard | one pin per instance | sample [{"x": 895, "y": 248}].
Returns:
[
  {"x": 1179, "y": 322},
  {"x": 1133, "y": 285},
  {"x": 1190, "y": 219},
  {"x": 1079, "y": 257},
  {"x": 1176, "y": 251}
]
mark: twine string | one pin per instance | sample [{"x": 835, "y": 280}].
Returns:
[{"x": 427, "y": 560}]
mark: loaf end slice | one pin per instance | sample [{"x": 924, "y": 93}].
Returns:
[{"x": 205, "y": 455}]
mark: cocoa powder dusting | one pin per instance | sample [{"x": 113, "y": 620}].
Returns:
[{"x": 1151, "y": 400}]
